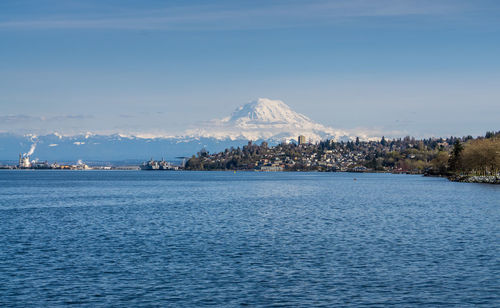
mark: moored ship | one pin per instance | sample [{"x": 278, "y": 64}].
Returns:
[{"x": 158, "y": 165}]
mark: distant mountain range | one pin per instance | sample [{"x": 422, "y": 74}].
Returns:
[{"x": 261, "y": 120}]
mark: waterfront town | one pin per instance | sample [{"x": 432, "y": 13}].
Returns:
[
  {"x": 433, "y": 156},
  {"x": 399, "y": 155}
]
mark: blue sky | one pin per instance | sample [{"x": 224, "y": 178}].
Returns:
[{"x": 397, "y": 67}]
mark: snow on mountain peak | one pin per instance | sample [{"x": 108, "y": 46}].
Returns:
[
  {"x": 266, "y": 111},
  {"x": 266, "y": 119}
]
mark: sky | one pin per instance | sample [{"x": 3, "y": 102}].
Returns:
[{"x": 394, "y": 67}]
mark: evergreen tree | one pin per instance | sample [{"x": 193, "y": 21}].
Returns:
[{"x": 455, "y": 159}]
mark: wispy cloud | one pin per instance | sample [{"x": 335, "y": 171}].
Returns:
[
  {"x": 24, "y": 118},
  {"x": 218, "y": 17},
  {"x": 17, "y": 118}
]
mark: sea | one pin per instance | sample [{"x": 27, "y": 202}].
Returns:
[{"x": 231, "y": 239}]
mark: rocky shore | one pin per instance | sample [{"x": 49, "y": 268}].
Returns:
[{"x": 486, "y": 179}]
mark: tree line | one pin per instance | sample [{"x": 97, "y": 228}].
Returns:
[{"x": 480, "y": 156}]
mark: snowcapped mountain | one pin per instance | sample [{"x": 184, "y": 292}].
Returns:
[
  {"x": 266, "y": 112},
  {"x": 266, "y": 119},
  {"x": 261, "y": 120}
]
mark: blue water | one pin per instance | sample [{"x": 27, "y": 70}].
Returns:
[{"x": 189, "y": 239}]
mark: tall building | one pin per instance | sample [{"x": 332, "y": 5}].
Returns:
[{"x": 302, "y": 139}]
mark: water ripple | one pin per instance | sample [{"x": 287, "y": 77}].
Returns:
[{"x": 188, "y": 239}]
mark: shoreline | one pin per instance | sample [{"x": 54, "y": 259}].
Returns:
[{"x": 479, "y": 179}]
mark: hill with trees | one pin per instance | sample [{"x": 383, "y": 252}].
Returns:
[{"x": 464, "y": 156}]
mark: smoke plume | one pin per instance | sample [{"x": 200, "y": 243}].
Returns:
[{"x": 32, "y": 149}]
